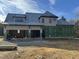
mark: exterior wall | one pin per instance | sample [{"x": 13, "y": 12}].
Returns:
[
  {"x": 59, "y": 31},
  {"x": 35, "y": 28},
  {"x": 77, "y": 29},
  {"x": 23, "y": 27},
  {"x": 47, "y": 20},
  {"x": 50, "y": 31},
  {"x": 17, "y": 27},
  {"x": 66, "y": 30}
]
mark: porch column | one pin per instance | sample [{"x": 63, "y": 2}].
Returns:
[
  {"x": 5, "y": 34},
  {"x": 18, "y": 31},
  {"x": 41, "y": 34},
  {"x": 29, "y": 33}
]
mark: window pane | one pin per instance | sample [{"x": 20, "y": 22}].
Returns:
[
  {"x": 19, "y": 20},
  {"x": 50, "y": 20},
  {"x": 42, "y": 20}
]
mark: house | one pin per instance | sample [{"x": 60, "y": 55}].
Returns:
[{"x": 36, "y": 25}]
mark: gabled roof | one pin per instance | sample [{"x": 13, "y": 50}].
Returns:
[
  {"x": 48, "y": 14},
  {"x": 33, "y": 17},
  {"x": 30, "y": 18}
]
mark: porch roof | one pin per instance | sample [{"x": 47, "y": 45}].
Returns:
[{"x": 11, "y": 23}]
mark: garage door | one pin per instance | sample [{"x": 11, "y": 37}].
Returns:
[{"x": 35, "y": 33}]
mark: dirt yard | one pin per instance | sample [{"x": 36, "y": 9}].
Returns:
[{"x": 56, "y": 49}]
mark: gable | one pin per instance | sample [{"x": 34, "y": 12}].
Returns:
[{"x": 48, "y": 14}]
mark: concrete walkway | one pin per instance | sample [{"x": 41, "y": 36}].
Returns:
[{"x": 5, "y": 45}]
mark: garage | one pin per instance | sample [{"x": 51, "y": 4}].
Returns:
[
  {"x": 35, "y": 33},
  {"x": 17, "y": 34}
]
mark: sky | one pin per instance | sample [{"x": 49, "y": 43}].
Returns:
[{"x": 67, "y": 8}]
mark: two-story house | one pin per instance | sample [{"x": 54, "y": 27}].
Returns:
[{"x": 32, "y": 26}]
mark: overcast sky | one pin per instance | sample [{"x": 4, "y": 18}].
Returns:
[{"x": 67, "y": 8}]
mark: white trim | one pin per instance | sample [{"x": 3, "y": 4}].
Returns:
[
  {"x": 21, "y": 23},
  {"x": 41, "y": 34},
  {"x": 18, "y": 31}
]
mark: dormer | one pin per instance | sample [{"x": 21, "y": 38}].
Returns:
[
  {"x": 15, "y": 18},
  {"x": 48, "y": 19},
  {"x": 19, "y": 18}
]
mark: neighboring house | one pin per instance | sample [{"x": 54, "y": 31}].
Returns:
[{"x": 36, "y": 25}]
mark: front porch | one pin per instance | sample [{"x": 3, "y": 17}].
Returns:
[{"x": 22, "y": 32}]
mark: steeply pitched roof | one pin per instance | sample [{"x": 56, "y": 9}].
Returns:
[
  {"x": 33, "y": 17},
  {"x": 48, "y": 14},
  {"x": 30, "y": 18}
]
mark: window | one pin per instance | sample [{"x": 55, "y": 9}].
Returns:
[
  {"x": 39, "y": 20},
  {"x": 54, "y": 19},
  {"x": 19, "y": 19},
  {"x": 50, "y": 20},
  {"x": 42, "y": 20}
]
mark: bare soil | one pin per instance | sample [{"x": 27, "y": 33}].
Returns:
[{"x": 56, "y": 49}]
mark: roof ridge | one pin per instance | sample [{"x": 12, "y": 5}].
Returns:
[{"x": 47, "y": 13}]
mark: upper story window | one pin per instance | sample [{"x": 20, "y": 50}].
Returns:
[
  {"x": 50, "y": 20},
  {"x": 42, "y": 20},
  {"x": 39, "y": 20},
  {"x": 54, "y": 19},
  {"x": 19, "y": 19}
]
